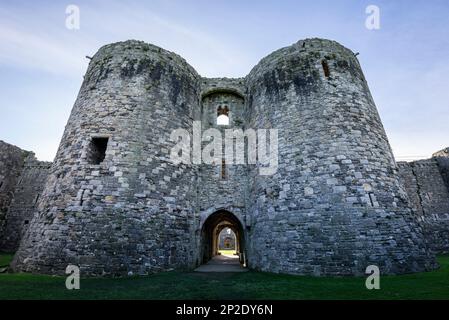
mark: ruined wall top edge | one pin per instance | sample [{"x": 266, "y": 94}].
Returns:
[
  {"x": 302, "y": 46},
  {"x": 420, "y": 162},
  {"x": 117, "y": 54},
  {"x": 441, "y": 153},
  {"x": 136, "y": 48},
  {"x": 227, "y": 85}
]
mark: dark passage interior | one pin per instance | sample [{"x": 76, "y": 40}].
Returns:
[
  {"x": 210, "y": 232},
  {"x": 97, "y": 150}
]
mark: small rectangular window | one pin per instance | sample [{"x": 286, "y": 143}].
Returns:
[{"x": 97, "y": 150}]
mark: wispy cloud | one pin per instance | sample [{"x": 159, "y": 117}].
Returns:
[
  {"x": 28, "y": 50},
  {"x": 40, "y": 45},
  {"x": 209, "y": 53},
  {"x": 48, "y": 46}
]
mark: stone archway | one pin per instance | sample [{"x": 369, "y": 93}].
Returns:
[{"x": 211, "y": 229}]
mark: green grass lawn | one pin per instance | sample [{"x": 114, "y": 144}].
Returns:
[{"x": 248, "y": 285}]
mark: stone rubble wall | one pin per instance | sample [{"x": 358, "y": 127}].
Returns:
[
  {"x": 22, "y": 178},
  {"x": 22, "y": 208},
  {"x": 215, "y": 192},
  {"x": 11, "y": 167},
  {"x": 429, "y": 197},
  {"x": 335, "y": 205},
  {"x": 442, "y": 157},
  {"x": 134, "y": 212}
]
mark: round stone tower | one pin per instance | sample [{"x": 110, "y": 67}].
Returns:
[
  {"x": 114, "y": 203},
  {"x": 335, "y": 205}
]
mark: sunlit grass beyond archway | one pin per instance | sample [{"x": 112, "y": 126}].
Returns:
[{"x": 227, "y": 252}]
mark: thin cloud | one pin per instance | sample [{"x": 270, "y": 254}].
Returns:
[
  {"x": 207, "y": 52},
  {"x": 27, "y": 50}
]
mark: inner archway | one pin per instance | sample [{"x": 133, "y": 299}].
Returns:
[
  {"x": 210, "y": 235},
  {"x": 227, "y": 242}
]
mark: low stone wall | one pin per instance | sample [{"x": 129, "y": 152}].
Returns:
[
  {"x": 26, "y": 195},
  {"x": 11, "y": 166},
  {"x": 429, "y": 198},
  {"x": 442, "y": 157}
]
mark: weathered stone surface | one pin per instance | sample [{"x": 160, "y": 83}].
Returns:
[
  {"x": 23, "y": 205},
  {"x": 334, "y": 206},
  {"x": 331, "y": 133},
  {"x": 442, "y": 157},
  {"x": 11, "y": 167},
  {"x": 22, "y": 179},
  {"x": 429, "y": 197},
  {"x": 118, "y": 216}
]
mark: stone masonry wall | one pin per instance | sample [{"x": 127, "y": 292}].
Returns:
[
  {"x": 134, "y": 211},
  {"x": 11, "y": 166},
  {"x": 335, "y": 204},
  {"x": 222, "y": 186},
  {"x": 442, "y": 157},
  {"x": 26, "y": 195},
  {"x": 429, "y": 197},
  {"x": 218, "y": 192},
  {"x": 409, "y": 180}
]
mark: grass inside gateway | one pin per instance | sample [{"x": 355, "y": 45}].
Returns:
[
  {"x": 227, "y": 252},
  {"x": 248, "y": 285}
]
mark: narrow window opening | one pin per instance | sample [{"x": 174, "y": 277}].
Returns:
[
  {"x": 371, "y": 199},
  {"x": 81, "y": 197},
  {"x": 326, "y": 70},
  {"x": 223, "y": 169},
  {"x": 36, "y": 199},
  {"x": 223, "y": 116},
  {"x": 97, "y": 150}
]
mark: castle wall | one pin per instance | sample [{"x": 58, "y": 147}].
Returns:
[
  {"x": 134, "y": 211},
  {"x": 410, "y": 183},
  {"x": 442, "y": 157},
  {"x": 11, "y": 166},
  {"x": 26, "y": 195},
  {"x": 222, "y": 185},
  {"x": 335, "y": 204},
  {"x": 429, "y": 197}
]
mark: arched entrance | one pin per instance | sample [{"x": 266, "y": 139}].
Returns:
[
  {"x": 227, "y": 241},
  {"x": 211, "y": 230}
]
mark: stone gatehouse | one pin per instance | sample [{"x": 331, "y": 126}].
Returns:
[{"x": 115, "y": 204}]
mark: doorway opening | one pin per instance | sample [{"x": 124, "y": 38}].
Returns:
[
  {"x": 222, "y": 235},
  {"x": 227, "y": 242}
]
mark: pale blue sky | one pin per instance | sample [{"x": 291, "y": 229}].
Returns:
[{"x": 405, "y": 62}]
